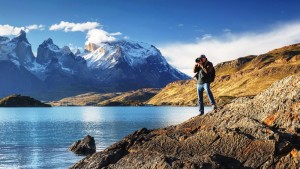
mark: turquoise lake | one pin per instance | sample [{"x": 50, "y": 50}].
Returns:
[{"x": 40, "y": 137}]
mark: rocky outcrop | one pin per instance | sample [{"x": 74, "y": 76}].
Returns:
[
  {"x": 86, "y": 146},
  {"x": 21, "y": 101},
  {"x": 250, "y": 132},
  {"x": 90, "y": 47}
]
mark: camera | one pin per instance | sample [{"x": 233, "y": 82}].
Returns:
[{"x": 198, "y": 60}]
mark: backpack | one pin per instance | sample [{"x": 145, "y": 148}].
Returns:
[{"x": 212, "y": 74}]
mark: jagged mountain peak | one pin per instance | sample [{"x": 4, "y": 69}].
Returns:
[
  {"x": 90, "y": 47},
  {"x": 140, "y": 62},
  {"x": 49, "y": 41},
  {"x": 108, "y": 54},
  {"x": 21, "y": 37},
  {"x": 66, "y": 50},
  {"x": 106, "y": 67},
  {"x": 50, "y": 45},
  {"x": 77, "y": 52},
  {"x": 18, "y": 50}
]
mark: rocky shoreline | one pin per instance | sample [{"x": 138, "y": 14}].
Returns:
[{"x": 257, "y": 132}]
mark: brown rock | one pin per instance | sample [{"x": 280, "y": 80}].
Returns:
[
  {"x": 86, "y": 146},
  {"x": 256, "y": 132}
]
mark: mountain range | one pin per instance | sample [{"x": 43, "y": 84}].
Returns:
[
  {"x": 57, "y": 73},
  {"x": 245, "y": 76}
]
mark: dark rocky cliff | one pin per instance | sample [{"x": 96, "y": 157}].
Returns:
[{"x": 258, "y": 132}]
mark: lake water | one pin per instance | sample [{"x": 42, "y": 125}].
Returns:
[{"x": 40, "y": 137}]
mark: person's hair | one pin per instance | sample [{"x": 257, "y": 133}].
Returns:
[
  {"x": 202, "y": 56},
  {"x": 199, "y": 58}
]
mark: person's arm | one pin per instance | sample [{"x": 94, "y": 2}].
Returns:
[
  {"x": 208, "y": 68},
  {"x": 196, "y": 68}
]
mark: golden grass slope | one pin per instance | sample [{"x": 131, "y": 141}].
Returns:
[
  {"x": 246, "y": 76},
  {"x": 135, "y": 98}
]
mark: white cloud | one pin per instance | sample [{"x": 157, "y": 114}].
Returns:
[
  {"x": 206, "y": 36},
  {"x": 98, "y": 36},
  {"x": 74, "y": 27},
  {"x": 35, "y": 27},
  {"x": 8, "y": 30},
  {"x": 115, "y": 34},
  {"x": 230, "y": 46},
  {"x": 94, "y": 34}
]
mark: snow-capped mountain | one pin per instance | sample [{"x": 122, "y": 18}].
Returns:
[
  {"x": 50, "y": 58},
  {"x": 18, "y": 50},
  {"x": 108, "y": 67},
  {"x": 108, "y": 54},
  {"x": 16, "y": 58},
  {"x": 130, "y": 65}
]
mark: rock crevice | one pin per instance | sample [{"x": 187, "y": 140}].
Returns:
[{"x": 250, "y": 132}]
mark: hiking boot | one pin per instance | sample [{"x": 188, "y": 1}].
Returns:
[
  {"x": 201, "y": 113},
  {"x": 214, "y": 107}
]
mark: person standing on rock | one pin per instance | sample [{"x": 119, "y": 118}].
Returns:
[{"x": 205, "y": 75}]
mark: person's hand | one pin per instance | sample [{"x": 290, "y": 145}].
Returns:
[{"x": 199, "y": 64}]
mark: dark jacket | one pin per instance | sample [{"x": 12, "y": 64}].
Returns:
[{"x": 202, "y": 72}]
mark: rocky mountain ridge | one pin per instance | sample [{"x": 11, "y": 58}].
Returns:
[
  {"x": 258, "y": 132},
  {"x": 57, "y": 72}
]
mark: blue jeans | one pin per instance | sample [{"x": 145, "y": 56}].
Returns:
[{"x": 200, "y": 88}]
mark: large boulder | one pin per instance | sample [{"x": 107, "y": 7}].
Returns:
[
  {"x": 250, "y": 132},
  {"x": 86, "y": 146}
]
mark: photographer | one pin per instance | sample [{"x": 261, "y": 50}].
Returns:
[{"x": 204, "y": 69}]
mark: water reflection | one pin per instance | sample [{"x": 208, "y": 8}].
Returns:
[
  {"x": 91, "y": 114},
  {"x": 39, "y": 137}
]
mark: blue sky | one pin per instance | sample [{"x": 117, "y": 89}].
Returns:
[{"x": 181, "y": 29}]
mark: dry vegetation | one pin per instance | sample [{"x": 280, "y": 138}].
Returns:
[
  {"x": 137, "y": 97},
  {"x": 245, "y": 76}
]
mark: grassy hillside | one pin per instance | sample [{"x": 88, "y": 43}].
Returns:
[
  {"x": 246, "y": 76},
  {"x": 21, "y": 101},
  {"x": 137, "y": 97}
]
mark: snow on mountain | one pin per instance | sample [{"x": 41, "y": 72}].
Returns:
[
  {"x": 47, "y": 51},
  {"x": 18, "y": 50},
  {"x": 106, "y": 67},
  {"x": 129, "y": 65},
  {"x": 137, "y": 53},
  {"x": 108, "y": 54},
  {"x": 102, "y": 57},
  {"x": 53, "y": 59},
  {"x": 3, "y": 39}
]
